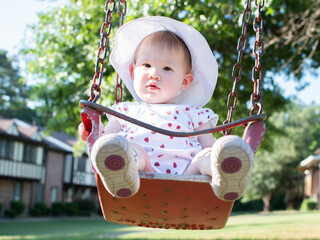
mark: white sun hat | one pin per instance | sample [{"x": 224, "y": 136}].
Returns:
[{"x": 204, "y": 65}]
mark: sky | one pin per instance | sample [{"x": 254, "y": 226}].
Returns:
[{"x": 16, "y": 15}]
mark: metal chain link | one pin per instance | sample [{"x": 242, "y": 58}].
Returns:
[
  {"x": 95, "y": 89},
  {"x": 258, "y": 50},
  {"x": 237, "y": 68},
  {"x": 122, "y": 11}
]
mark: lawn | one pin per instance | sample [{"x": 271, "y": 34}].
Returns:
[{"x": 276, "y": 225}]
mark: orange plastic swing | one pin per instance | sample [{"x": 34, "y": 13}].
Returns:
[{"x": 164, "y": 200}]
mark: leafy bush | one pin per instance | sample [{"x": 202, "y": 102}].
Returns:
[
  {"x": 10, "y": 213},
  {"x": 39, "y": 209},
  {"x": 17, "y": 206},
  {"x": 57, "y": 208},
  {"x": 86, "y": 205},
  {"x": 251, "y": 206},
  {"x": 308, "y": 204},
  {"x": 71, "y": 208}
]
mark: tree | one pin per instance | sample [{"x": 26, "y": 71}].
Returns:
[
  {"x": 14, "y": 92},
  {"x": 65, "y": 40},
  {"x": 299, "y": 136}
]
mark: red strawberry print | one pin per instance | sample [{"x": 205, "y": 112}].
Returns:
[
  {"x": 200, "y": 123},
  {"x": 168, "y": 171},
  {"x": 171, "y": 137},
  {"x": 126, "y": 109},
  {"x": 175, "y": 165},
  {"x": 157, "y": 164},
  {"x": 177, "y": 112},
  {"x": 169, "y": 113},
  {"x": 175, "y": 117},
  {"x": 170, "y": 124},
  {"x": 178, "y": 127},
  {"x": 146, "y": 139},
  {"x": 161, "y": 155},
  {"x": 187, "y": 109},
  {"x": 162, "y": 146}
]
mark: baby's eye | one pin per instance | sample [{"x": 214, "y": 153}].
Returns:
[
  {"x": 167, "y": 69},
  {"x": 147, "y": 65}
]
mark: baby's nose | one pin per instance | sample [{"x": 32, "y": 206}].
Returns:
[{"x": 153, "y": 73}]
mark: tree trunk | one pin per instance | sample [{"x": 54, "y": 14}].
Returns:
[{"x": 266, "y": 203}]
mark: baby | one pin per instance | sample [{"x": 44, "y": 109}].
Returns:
[{"x": 169, "y": 69}]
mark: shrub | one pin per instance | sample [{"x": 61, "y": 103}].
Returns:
[
  {"x": 308, "y": 204},
  {"x": 57, "y": 208},
  {"x": 17, "y": 206},
  {"x": 86, "y": 205},
  {"x": 71, "y": 208},
  {"x": 10, "y": 213},
  {"x": 39, "y": 209}
]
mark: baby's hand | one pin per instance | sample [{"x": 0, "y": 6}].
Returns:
[{"x": 83, "y": 133}]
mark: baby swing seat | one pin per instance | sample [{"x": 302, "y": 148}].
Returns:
[{"x": 165, "y": 200}]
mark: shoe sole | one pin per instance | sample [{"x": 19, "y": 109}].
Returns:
[
  {"x": 115, "y": 164},
  {"x": 231, "y": 171}
]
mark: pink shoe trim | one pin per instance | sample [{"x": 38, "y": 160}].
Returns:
[
  {"x": 231, "y": 196},
  {"x": 124, "y": 192},
  {"x": 231, "y": 165},
  {"x": 114, "y": 162}
]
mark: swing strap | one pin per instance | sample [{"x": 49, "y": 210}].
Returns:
[{"x": 219, "y": 128}]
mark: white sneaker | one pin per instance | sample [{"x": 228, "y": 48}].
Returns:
[
  {"x": 114, "y": 160},
  {"x": 231, "y": 164}
]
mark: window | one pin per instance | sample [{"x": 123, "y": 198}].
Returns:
[
  {"x": 6, "y": 149},
  {"x": 81, "y": 164},
  {"x": 17, "y": 191},
  {"x": 29, "y": 153},
  {"x": 54, "y": 194}
]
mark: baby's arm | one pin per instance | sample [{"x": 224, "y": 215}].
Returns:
[{"x": 206, "y": 140}]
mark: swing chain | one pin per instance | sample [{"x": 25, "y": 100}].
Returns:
[
  {"x": 95, "y": 90},
  {"x": 258, "y": 50},
  {"x": 237, "y": 68},
  {"x": 122, "y": 10}
]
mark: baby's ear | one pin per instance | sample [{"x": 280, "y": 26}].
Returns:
[
  {"x": 131, "y": 70},
  {"x": 187, "y": 80}
]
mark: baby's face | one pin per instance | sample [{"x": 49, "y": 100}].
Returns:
[{"x": 159, "y": 74}]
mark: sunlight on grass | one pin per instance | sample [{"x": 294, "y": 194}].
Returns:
[{"x": 276, "y": 225}]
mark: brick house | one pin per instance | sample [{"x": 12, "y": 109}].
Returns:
[
  {"x": 39, "y": 168},
  {"x": 311, "y": 168}
]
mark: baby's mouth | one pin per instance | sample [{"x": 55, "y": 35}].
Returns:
[{"x": 152, "y": 86}]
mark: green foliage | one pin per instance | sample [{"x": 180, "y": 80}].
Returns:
[
  {"x": 308, "y": 205},
  {"x": 65, "y": 40},
  {"x": 71, "y": 208},
  {"x": 251, "y": 206},
  {"x": 16, "y": 208},
  {"x": 10, "y": 213},
  {"x": 39, "y": 209},
  {"x": 13, "y": 91},
  {"x": 86, "y": 207},
  {"x": 77, "y": 208},
  {"x": 296, "y": 136},
  {"x": 57, "y": 208}
]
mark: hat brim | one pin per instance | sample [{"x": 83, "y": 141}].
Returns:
[{"x": 204, "y": 65}]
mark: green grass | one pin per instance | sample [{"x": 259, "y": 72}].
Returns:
[{"x": 277, "y": 225}]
